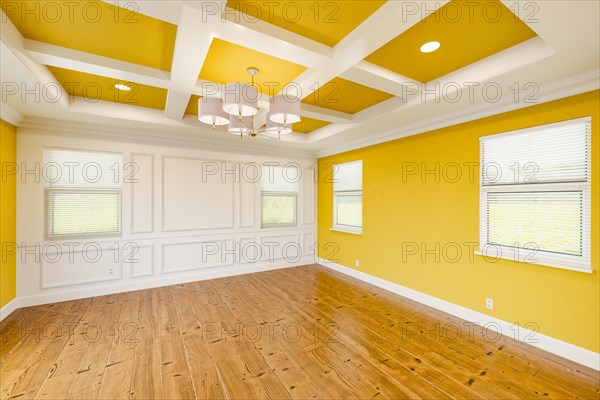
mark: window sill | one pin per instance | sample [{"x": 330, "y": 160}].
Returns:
[
  {"x": 347, "y": 229},
  {"x": 540, "y": 260}
]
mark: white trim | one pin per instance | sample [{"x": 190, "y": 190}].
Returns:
[
  {"x": 347, "y": 229},
  {"x": 197, "y": 275},
  {"x": 567, "y": 122},
  {"x": 544, "y": 259},
  {"x": 528, "y": 254},
  {"x": 574, "y": 85},
  {"x": 10, "y": 307},
  {"x": 10, "y": 115},
  {"x": 569, "y": 351},
  {"x": 163, "y": 138}
]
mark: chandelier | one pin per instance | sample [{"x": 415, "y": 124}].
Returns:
[{"x": 238, "y": 106}]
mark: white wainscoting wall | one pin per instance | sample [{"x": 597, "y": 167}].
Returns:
[{"x": 176, "y": 226}]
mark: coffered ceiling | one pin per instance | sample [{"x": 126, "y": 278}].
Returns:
[{"x": 355, "y": 63}]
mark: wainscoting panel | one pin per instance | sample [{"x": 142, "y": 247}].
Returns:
[
  {"x": 309, "y": 195},
  {"x": 178, "y": 257},
  {"x": 247, "y": 196},
  {"x": 308, "y": 243},
  {"x": 278, "y": 247},
  {"x": 80, "y": 264},
  {"x": 197, "y": 194},
  {"x": 140, "y": 175},
  {"x": 139, "y": 259}
]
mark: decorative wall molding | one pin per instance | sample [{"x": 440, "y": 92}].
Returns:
[
  {"x": 308, "y": 243},
  {"x": 266, "y": 240},
  {"x": 134, "y": 264},
  {"x": 567, "y": 350},
  {"x": 229, "y": 244},
  {"x": 10, "y": 115},
  {"x": 165, "y": 137},
  {"x": 107, "y": 250},
  {"x": 247, "y": 202},
  {"x": 571, "y": 86},
  {"x": 231, "y": 221},
  {"x": 160, "y": 281},
  {"x": 150, "y": 200}
]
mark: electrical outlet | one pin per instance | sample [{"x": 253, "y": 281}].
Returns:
[
  {"x": 357, "y": 263},
  {"x": 489, "y": 303}
]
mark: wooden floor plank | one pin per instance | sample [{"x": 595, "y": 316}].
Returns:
[
  {"x": 27, "y": 367},
  {"x": 146, "y": 382},
  {"x": 381, "y": 313},
  {"x": 199, "y": 340},
  {"x": 96, "y": 332},
  {"x": 116, "y": 379}
]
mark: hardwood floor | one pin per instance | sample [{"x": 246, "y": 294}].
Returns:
[{"x": 303, "y": 333}]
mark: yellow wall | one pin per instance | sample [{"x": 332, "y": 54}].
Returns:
[
  {"x": 564, "y": 304},
  {"x": 8, "y": 212}
]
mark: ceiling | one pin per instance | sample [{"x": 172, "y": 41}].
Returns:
[{"x": 357, "y": 64}]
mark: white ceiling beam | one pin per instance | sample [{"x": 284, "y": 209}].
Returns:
[
  {"x": 243, "y": 30},
  {"x": 385, "y": 24},
  {"x": 338, "y": 117},
  {"x": 471, "y": 76},
  {"x": 163, "y": 10},
  {"x": 63, "y": 57},
  {"x": 15, "y": 42},
  {"x": 176, "y": 104},
  {"x": 518, "y": 56},
  {"x": 379, "y": 78},
  {"x": 191, "y": 48},
  {"x": 273, "y": 40}
]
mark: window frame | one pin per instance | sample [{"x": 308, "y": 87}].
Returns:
[
  {"x": 294, "y": 195},
  {"x": 540, "y": 257},
  {"x": 355, "y": 229},
  {"x": 48, "y": 200},
  {"x": 48, "y": 190}
]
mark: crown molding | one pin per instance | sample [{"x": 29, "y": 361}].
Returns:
[
  {"x": 10, "y": 115},
  {"x": 574, "y": 85},
  {"x": 33, "y": 125}
]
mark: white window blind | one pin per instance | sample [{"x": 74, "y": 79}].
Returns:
[
  {"x": 535, "y": 195},
  {"x": 82, "y": 193},
  {"x": 347, "y": 197},
  {"x": 279, "y": 194}
]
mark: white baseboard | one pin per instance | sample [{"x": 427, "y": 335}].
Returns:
[
  {"x": 213, "y": 273},
  {"x": 569, "y": 351},
  {"x": 9, "y": 308}
]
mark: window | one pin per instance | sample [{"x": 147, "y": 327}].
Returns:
[
  {"x": 535, "y": 195},
  {"x": 279, "y": 193},
  {"x": 82, "y": 193},
  {"x": 347, "y": 197}
]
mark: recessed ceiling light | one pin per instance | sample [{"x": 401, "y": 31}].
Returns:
[
  {"x": 429, "y": 47},
  {"x": 122, "y": 87}
]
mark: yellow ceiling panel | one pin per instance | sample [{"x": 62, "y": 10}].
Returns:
[
  {"x": 307, "y": 125},
  {"x": 94, "y": 88},
  {"x": 326, "y": 22},
  {"x": 192, "y": 107},
  {"x": 96, "y": 27},
  {"x": 468, "y": 31},
  {"x": 227, "y": 62},
  {"x": 346, "y": 96}
]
